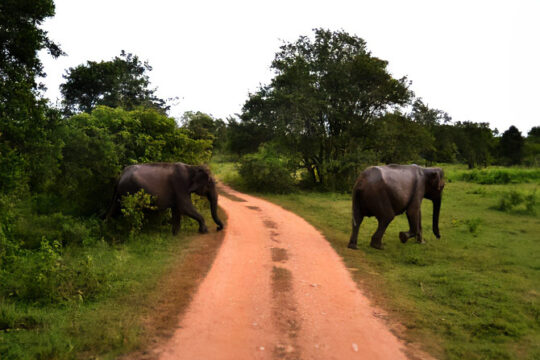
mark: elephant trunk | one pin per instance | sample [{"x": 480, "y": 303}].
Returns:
[
  {"x": 213, "y": 198},
  {"x": 436, "y": 212}
]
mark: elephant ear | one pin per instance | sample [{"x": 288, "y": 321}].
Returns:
[
  {"x": 199, "y": 178},
  {"x": 436, "y": 180}
]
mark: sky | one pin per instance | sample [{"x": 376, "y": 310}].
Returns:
[{"x": 477, "y": 60}]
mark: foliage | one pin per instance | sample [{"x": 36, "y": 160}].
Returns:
[
  {"x": 99, "y": 145},
  {"x": 512, "y": 199},
  {"x": 133, "y": 208},
  {"x": 28, "y": 148},
  {"x": 399, "y": 140},
  {"x": 531, "y": 148},
  {"x": 204, "y": 126},
  {"x": 475, "y": 143},
  {"x": 244, "y": 137},
  {"x": 443, "y": 147},
  {"x": 497, "y": 175},
  {"x": 266, "y": 171},
  {"x": 511, "y": 146},
  {"x": 325, "y": 96},
  {"x": 120, "y": 82}
]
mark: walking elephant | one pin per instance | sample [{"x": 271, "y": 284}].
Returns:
[
  {"x": 387, "y": 191},
  {"x": 172, "y": 185}
]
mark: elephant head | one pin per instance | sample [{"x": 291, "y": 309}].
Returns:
[
  {"x": 433, "y": 192},
  {"x": 202, "y": 184}
]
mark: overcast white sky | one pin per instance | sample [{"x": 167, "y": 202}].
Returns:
[{"x": 476, "y": 60}]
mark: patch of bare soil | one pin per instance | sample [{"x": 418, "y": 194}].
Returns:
[
  {"x": 285, "y": 315},
  {"x": 277, "y": 290},
  {"x": 279, "y": 254}
]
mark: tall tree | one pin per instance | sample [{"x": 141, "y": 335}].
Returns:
[
  {"x": 120, "y": 82},
  {"x": 437, "y": 122},
  {"x": 511, "y": 146},
  {"x": 324, "y": 96},
  {"x": 398, "y": 139},
  {"x": 532, "y": 147},
  {"x": 474, "y": 142},
  {"x": 28, "y": 149}
]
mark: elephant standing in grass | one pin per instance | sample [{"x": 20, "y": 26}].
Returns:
[
  {"x": 172, "y": 185},
  {"x": 387, "y": 191}
]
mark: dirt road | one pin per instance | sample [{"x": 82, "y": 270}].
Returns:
[{"x": 277, "y": 290}]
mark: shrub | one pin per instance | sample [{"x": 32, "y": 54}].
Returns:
[
  {"x": 512, "y": 199},
  {"x": 99, "y": 145},
  {"x": 47, "y": 276},
  {"x": 266, "y": 171},
  {"x": 473, "y": 225},
  {"x": 500, "y": 176},
  {"x": 133, "y": 207}
]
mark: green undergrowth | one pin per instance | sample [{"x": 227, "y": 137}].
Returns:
[
  {"x": 493, "y": 175},
  {"x": 473, "y": 294},
  {"x": 83, "y": 290}
]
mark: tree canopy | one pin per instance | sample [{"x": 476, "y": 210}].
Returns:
[
  {"x": 325, "y": 97},
  {"x": 120, "y": 82},
  {"x": 511, "y": 145},
  {"x": 24, "y": 114}
]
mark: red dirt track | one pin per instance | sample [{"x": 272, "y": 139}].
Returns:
[{"x": 277, "y": 290}]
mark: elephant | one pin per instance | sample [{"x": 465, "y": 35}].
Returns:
[
  {"x": 172, "y": 185},
  {"x": 387, "y": 191}
]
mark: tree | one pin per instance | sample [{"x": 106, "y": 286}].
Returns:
[
  {"x": 474, "y": 142},
  {"x": 120, "y": 82},
  {"x": 204, "y": 126},
  {"x": 324, "y": 97},
  {"x": 532, "y": 147},
  {"x": 100, "y": 144},
  {"x": 437, "y": 123},
  {"x": 29, "y": 151},
  {"x": 511, "y": 146},
  {"x": 398, "y": 139}
]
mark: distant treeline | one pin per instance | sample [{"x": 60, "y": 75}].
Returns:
[{"x": 333, "y": 108}]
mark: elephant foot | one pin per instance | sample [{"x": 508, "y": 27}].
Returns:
[
  {"x": 352, "y": 246},
  {"x": 376, "y": 244},
  {"x": 403, "y": 237},
  {"x": 203, "y": 230}
]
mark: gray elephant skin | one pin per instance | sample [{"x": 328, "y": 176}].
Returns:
[
  {"x": 387, "y": 191},
  {"x": 172, "y": 185}
]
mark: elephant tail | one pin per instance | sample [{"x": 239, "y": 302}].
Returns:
[{"x": 356, "y": 213}]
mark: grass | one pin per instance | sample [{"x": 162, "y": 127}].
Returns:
[
  {"x": 473, "y": 294},
  {"x": 121, "y": 319},
  {"x": 493, "y": 174}
]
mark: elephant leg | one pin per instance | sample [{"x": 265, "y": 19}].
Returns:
[
  {"x": 354, "y": 236},
  {"x": 419, "y": 238},
  {"x": 376, "y": 239},
  {"x": 188, "y": 209},
  {"x": 176, "y": 220},
  {"x": 411, "y": 217}
]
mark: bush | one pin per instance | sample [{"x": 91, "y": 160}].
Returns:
[
  {"x": 512, "y": 199},
  {"x": 133, "y": 208},
  {"x": 266, "y": 171},
  {"x": 99, "y": 145},
  {"x": 500, "y": 176},
  {"x": 47, "y": 276}
]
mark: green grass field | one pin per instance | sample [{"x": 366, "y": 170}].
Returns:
[
  {"x": 134, "y": 284},
  {"x": 473, "y": 294}
]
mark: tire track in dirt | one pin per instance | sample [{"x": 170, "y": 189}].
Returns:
[{"x": 277, "y": 290}]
